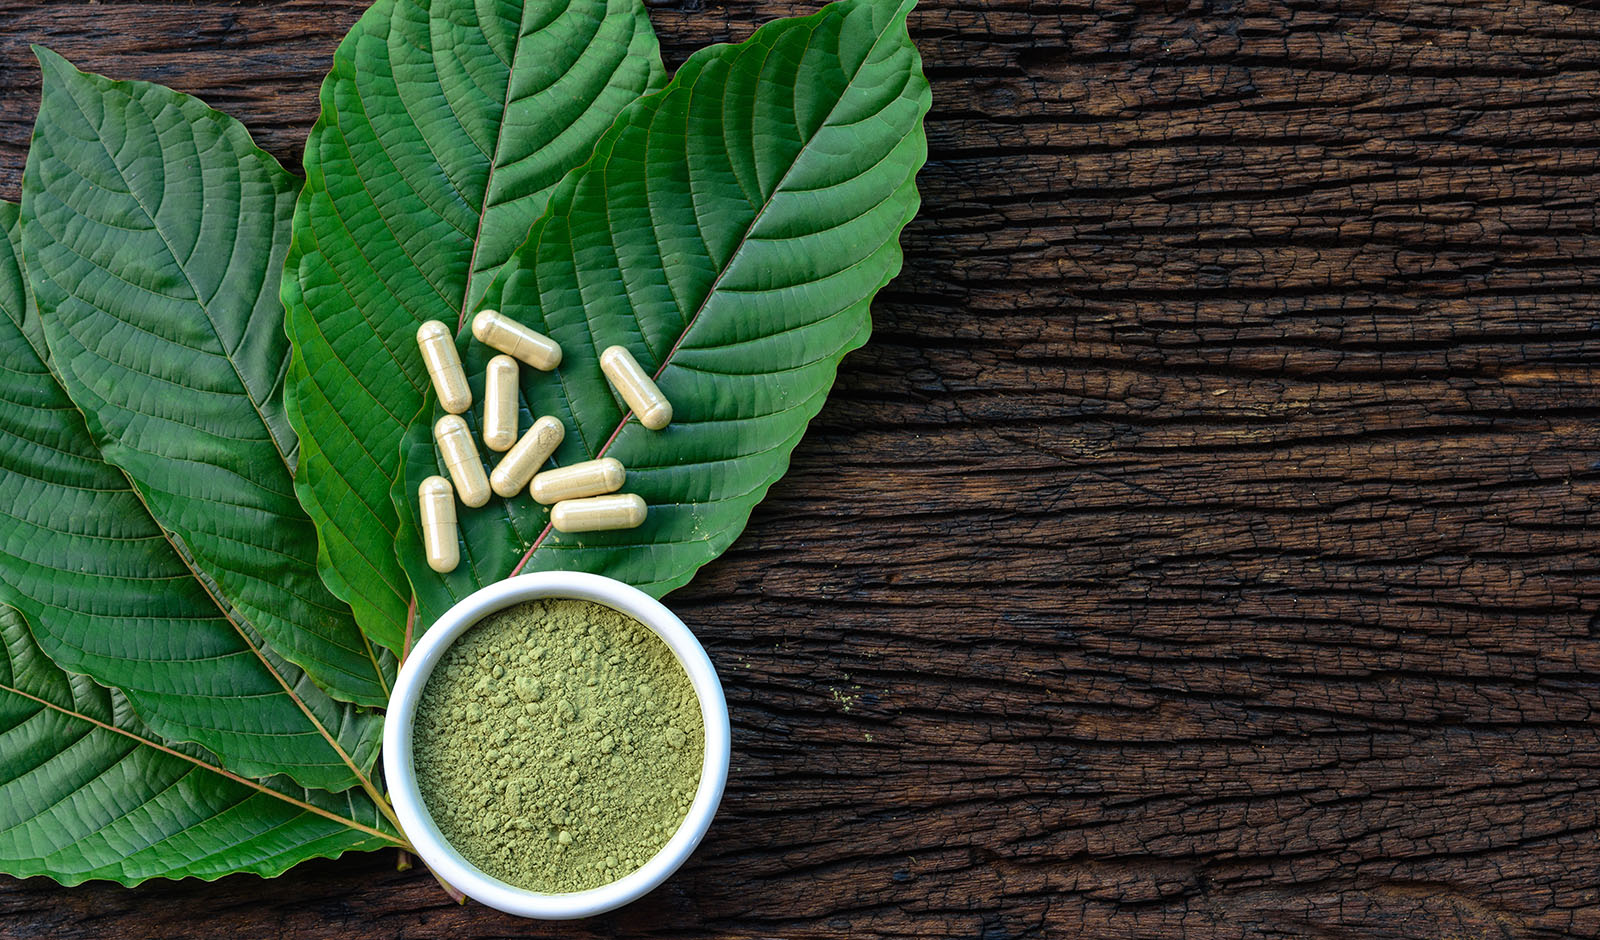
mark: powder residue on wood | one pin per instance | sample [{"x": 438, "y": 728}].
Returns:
[{"x": 558, "y": 745}]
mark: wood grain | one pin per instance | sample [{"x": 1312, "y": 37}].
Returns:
[{"x": 1205, "y": 545}]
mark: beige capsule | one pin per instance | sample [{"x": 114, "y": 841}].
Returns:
[
  {"x": 518, "y": 466},
  {"x": 500, "y": 403},
  {"x": 437, "y": 499},
  {"x": 461, "y": 456},
  {"x": 512, "y": 338},
  {"x": 439, "y": 354},
  {"x": 590, "y": 478},
  {"x": 599, "y": 513},
  {"x": 636, "y": 388}
]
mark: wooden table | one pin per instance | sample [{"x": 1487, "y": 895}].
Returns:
[{"x": 1204, "y": 546}]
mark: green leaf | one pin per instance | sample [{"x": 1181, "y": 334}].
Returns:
[
  {"x": 109, "y": 596},
  {"x": 731, "y": 231},
  {"x": 154, "y": 229},
  {"x": 88, "y": 791},
  {"x": 444, "y": 127},
  {"x": 15, "y": 299}
]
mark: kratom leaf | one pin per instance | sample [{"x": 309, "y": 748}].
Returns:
[
  {"x": 154, "y": 229},
  {"x": 444, "y": 127},
  {"x": 108, "y": 595},
  {"x": 88, "y": 791},
  {"x": 731, "y": 231},
  {"x": 15, "y": 299}
]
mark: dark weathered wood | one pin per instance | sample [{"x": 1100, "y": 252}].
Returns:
[{"x": 1206, "y": 544}]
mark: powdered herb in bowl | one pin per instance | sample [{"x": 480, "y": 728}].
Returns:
[{"x": 558, "y": 745}]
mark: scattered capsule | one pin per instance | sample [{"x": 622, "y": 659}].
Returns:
[
  {"x": 439, "y": 354},
  {"x": 530, "y": 453},
  {"x": 438, "y": 502},
  {"x": 461, "y": 456},
  {"x": 500, "y": 403},
  {"x": 590, "y": 478},
  {"x": 514, "y": 339},
  {"x": 636, "y": 388},
  {"x": 598, "y": 513}
]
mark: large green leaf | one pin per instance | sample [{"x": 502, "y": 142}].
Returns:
[
  {"x": 444, "y": 127},
  {"x": 88, "y": 791},
  {"x": 731, "y": 231},
  {"x": 109, "y": 596},
  {"x": 154, "y": 229}
]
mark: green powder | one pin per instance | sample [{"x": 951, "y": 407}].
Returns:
[{"x": 558, "y": 745}]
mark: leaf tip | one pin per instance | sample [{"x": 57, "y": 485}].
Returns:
[
  {"x": 55, "y": 72},
  {"x": 51, "y": 61}
]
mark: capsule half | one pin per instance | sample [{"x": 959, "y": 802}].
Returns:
[
  {"x": 599, "y": 513},
  {"x": 636, "y": 387},
  {"x": 498, "y": 331},
  {"x": 437, "y": 502},
  {"x": 439, "y": 355},
  {"x": 590, "y": 478},
  {"x": 529, "y": 454},
  {"x": 500, "y": 403},
  {"x": 460, "y": 455}
]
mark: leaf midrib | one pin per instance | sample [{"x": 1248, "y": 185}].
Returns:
[
  {"x": 733, "y": 257},
  {"x": 252, "y": 784},
  {"x": 488, "y": 178}
]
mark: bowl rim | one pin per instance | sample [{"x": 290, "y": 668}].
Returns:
[{"x": 418, "y": 825}]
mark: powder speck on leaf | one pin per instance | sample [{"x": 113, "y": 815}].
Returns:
[{"x": 558, "y": 745}]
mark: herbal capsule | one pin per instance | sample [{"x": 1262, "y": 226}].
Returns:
[
  {"x": 461, "y": 456},
  {"x": 514, "y": 339},
  {"x": 444, "y": 366},
  {"x": 636, "y": 388},
  {"x": 536, "y": 446},
  {"x": 590, "y": 478},
  {"x": 438, "y": 501},
  {"x": 598, "y": 513},
  {"x": 500, "y": 403}
]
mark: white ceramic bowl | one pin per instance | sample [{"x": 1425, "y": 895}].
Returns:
[{"x": 397, "y": 737}]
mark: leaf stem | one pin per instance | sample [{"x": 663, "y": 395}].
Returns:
[
  {"x": 450, "y": 889},
  {"x": 411, "y": 626}
]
